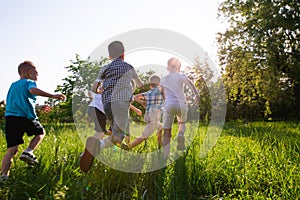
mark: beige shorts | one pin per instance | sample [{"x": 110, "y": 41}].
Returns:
[
  {"x": 173, "y": 109},
  {"x": 152, "y": 120}
]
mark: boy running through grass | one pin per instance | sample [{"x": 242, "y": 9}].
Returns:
[
  {"x": 20, "y": 117},
  {"x": 116, "y": 96},
  {"x": 154, "y": 102},
  {"x": 175, "y": 104}
]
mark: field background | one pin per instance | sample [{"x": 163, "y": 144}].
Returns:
[{"x": 257, "y": 160}]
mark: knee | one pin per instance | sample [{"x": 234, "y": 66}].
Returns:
[{"x": 40, "y": 137}]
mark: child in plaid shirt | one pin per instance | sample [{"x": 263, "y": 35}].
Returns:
[
  {"x": 154, "y": 102},
  {"x": 116, "y": 96}
]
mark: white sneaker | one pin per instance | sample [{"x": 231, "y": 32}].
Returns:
[{"x": 29, "y": 158}]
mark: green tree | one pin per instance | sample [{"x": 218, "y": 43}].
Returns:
[
  {"x": 260, "y": 55},
  {"x": 82, "y": 74},
  {"x": 201, "y": 75}
]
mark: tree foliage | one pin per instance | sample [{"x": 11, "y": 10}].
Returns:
[
  {"x": 82, "y": 74},
  {"x": 201, "y": 75},
  {"x": 260, "y": 56}
]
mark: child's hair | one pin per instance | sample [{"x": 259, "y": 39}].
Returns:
[
  {"x": 154, "y": 80},
  {"x": 25, "y": 67},
  {"x": 116, "y": 49},
  {"x": 174, "y": 64}
]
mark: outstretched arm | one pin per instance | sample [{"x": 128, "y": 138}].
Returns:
[
  {"x": 42, "y": 93},
  {"x": 140, "y": 99},
  {"x": 192, "y": 86},
  {"x": 137, "y": 80},
  {"x": 136, "y": 110}
]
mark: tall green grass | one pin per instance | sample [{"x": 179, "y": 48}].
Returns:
[{"x": 258, "y": 160}]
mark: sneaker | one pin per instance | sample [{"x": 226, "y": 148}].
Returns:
[
  {"x": 29, "y": 158},
  {"x": 180, "y": 142},
  {"x": 92, "y": 148}
]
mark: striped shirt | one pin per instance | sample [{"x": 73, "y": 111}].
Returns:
[
  {"x": 116, "y": 78},
  {"x": 154, "y": 99}
]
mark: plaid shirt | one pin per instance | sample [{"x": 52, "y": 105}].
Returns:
[
  {"x": 116, "y": 78},
  {"x": 154, "y": 99}
]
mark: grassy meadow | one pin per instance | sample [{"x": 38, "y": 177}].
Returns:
[{"x": 257, "y": 160}]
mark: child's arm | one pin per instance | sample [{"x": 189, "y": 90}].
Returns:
[
  {"x": 162, "y": 90},
  {"x": 192, "y": 86},
  {"x": 139, "y": 98},
  {"x": 95, "y": 87},
  {"x": 137, "y": 80},
  {"x": 136, "y": 110},
  {"x": 42, "y": 93}
]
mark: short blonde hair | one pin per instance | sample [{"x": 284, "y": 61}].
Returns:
[{"x": 174, "y": 64}]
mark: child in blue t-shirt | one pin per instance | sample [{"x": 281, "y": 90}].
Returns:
[{"x": 20, "y": 116}]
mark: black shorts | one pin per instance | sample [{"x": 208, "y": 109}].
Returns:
[
  {"x": 98, "y": 118},
  {"x": 15, "y": 127}
]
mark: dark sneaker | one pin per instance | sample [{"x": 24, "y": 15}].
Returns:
[
  {"x": 92, "y": 148},
  {"x": 29, "y": 158},
  {"x": 180, "y": 142}
]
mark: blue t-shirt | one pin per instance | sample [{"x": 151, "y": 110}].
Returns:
[{"x": 19, "y": 101}]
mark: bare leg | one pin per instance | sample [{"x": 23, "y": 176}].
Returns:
[
  {"x": 159, "y": 139},
  {"x": 7, "y": 160},
  {"x": 166, "y": 142},
  {"x": 137, "y": 141},
  {"x": 36, "y": 140}
]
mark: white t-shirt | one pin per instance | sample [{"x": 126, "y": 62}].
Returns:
[
  {"x": 97, "y": 102},
  {"x": 173, "y": 87}
]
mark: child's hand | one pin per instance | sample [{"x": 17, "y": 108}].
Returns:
[
  {"x": 140, "y": 101},
  {"x": 59, "y": 96},
  {"x": 45, "y": 108}
]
